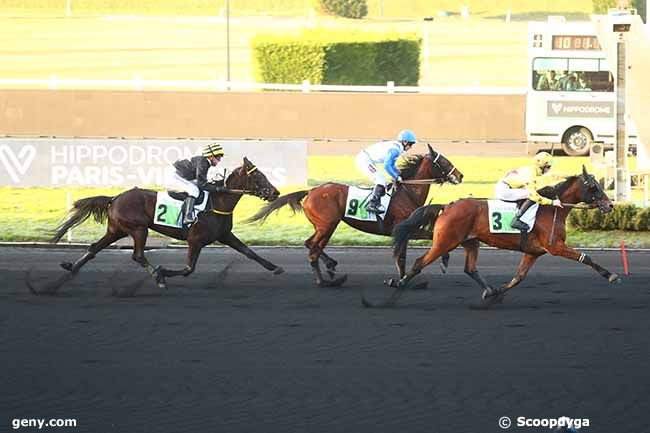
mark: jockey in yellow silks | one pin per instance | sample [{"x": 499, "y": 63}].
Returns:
[{"x": 523, "y": 183}]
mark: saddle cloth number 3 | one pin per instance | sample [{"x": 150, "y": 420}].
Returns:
[{"x": 502, "y": 220}]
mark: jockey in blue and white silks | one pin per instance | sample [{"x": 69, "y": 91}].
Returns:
[{"x": 385, "y": 153}]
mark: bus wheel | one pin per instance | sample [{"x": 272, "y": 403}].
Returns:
[{"x": 577, "y": 141}]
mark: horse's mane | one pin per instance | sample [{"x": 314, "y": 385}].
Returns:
[
  {"x": 557, "y": 190},
  {"x": 408, "y": 165}
]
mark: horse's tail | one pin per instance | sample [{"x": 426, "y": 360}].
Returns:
[
  {"x": 422, "y": 216},
  {"x": 294, "y": 200},
  {"x": 96, "y": 206}
]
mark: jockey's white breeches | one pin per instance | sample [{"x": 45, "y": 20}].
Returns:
[
  {"x": 174, "y": 182},
  {"x": 502, "y": 191},
  {"x": 368, "y": 167}
]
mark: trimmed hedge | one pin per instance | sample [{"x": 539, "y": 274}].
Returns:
[
  {"x": 337, "y": 58},
  {"x": 623, "y": 217},
  {"x": 345, "y": 8}
]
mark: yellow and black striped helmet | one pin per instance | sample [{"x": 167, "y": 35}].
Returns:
[{"x": 213, "y": 149}]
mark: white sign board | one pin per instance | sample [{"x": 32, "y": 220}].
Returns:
[{"x": 127, "y": 163}]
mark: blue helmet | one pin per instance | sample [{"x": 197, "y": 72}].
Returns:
[{"x": 406, "y": 135}]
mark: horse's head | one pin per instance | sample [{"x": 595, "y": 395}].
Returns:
[
  {"x": 592, "y": 193},
  {"x": 253, "y": 181},
  {"x": 443, "y": 168}
]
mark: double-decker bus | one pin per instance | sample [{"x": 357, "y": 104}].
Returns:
[{"x": 571, "y": 92}]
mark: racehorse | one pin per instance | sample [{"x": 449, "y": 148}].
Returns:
[
  {"x": 466, "y": 222},
  {"x": 131, "y": 213},
  {"x": 325, "y": 207}
]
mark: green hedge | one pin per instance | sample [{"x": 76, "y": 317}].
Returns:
[
  {"x": 623, "y": 217},
  {"x": 345, "y": 8},
  {"x": 324, "y": 57}
]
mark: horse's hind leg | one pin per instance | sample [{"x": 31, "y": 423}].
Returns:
[
  {"x": 319, "y": 241},
  {"x": 193, "y": 251},
  {"x": 471, "y": 257},
  {"x": 441, "y": 246},
  {"x": 139, "y": 241},
  {"x": 112, "y": 234},
  {"x": 329, "y": 262},
  {"x": 527, "y": 262}
]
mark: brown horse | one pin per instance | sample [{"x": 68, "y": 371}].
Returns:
[
  {"x": 325, "y": 207},
  {"x": 131, "y": 213},
  {"x": 465, "y": 222}
]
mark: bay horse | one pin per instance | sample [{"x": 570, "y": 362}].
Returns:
[
  {"x": 131, "y": 213},
  {"x": 465, "y": 222},
  {"x": 325, "y": 207}
]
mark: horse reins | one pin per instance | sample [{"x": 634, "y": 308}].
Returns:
[
  {"x": 435, "y": 179},
  {"x": 235, "y": 191}
]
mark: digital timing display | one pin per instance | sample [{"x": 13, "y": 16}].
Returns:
[{"x": 575, "y": 42}]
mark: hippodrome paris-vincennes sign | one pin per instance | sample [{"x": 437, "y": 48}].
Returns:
[{"x": 127, "y": 163}]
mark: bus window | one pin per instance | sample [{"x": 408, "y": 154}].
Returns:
[{"x": 571, "y": 75}]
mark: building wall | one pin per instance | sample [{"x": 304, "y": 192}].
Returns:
[{"x": 269, "y": 115}]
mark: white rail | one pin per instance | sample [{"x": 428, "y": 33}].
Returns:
[{"x": 137, "y": 83}]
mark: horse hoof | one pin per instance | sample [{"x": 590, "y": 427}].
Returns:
[
  {"x": 66, "y": 265},
  {"x": 391, "y": 282},
  {"x": 443, "y": 268},
  {"x": 488, "y": 302},
  {"x": 488, "y": 293},
  {"x": 614, "y": 278},
  {"x": 278, "y": 271},
  {"x": 332, "y": 283}
]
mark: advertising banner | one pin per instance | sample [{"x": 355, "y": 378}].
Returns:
[{"x": 143, "y": 163}]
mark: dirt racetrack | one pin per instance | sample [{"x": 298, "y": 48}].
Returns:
[{"x": 253, "y": 352}]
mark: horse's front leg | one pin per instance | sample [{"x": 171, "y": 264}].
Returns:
[
  {"x": 233, "y": 241},
  {"x": 560, "y": 249},
  {"x": 194, "y": 248}
]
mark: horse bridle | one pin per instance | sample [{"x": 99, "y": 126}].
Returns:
[
  {"x": 447, "y": 175},
  {"x": 586, "y": 189},
  {"x": 262, "y": 193}
]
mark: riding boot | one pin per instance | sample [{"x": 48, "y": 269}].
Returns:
[
  {"x": 517, "y": 223},
  {"x": 374, "y": 205},
  {"x": 188, "y": 211}
]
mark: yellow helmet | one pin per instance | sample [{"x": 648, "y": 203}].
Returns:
[
  {"x": 213, "y": 149},
  {"x": 543, "y": 159}
]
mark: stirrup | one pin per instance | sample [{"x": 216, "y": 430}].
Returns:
[
  {"x": 519, "y": 225},
  {"x": 375, "y": 209}
]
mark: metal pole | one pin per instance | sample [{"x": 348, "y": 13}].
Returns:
[
  {"x": 228, "y": 42},
  {"x": 68, "y": 8},
  {"x": 69, "y": 198},
  {"x": 622, "y": 185}
]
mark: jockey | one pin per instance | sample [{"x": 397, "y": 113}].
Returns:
[
  {"x": 386, "y": 153},
  {"x": 523, "y": 183},
  {"x": 192, "y": 175}
]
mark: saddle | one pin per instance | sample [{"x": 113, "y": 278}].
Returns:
[{"x": 181, "y": 196}]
